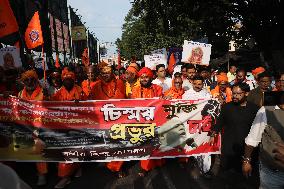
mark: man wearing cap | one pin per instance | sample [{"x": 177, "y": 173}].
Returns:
[
  {"x": 131, "y": 76},
  {"x": 222, "y": 91},
  {"x": 253, "y": 83},
  {"x": 147, "y": 90}
]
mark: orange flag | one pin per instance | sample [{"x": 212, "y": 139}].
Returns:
[
  {"x": 8, "y": 22},
  {"x": 85, "y": 58},
  {"x": 172, "y": 63},
  {"x": 33, "y": 35},
  {"x": 57, "y": 65}
]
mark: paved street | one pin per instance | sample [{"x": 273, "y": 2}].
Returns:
[{"x": 170, "y": 176}]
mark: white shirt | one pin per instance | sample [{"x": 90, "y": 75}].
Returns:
[
  {"x": 166, "y": 85},
  {"x": 192, "y": 94},
  {"x": 257, "y": 128}
]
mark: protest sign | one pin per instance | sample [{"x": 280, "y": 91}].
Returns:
[
  {"x": 106, "y": 130},
  {"x": 151, "y": 61},
  {"x": 196, "y": 53},
  {"x": 10, "y": 58}
]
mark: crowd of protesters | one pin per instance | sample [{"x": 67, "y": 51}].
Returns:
[{"x": 242, "y": 120}]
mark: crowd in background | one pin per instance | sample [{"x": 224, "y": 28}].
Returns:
[{"x": 239, "y": 91}]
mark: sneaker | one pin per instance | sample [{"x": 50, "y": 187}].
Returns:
[
  {"x": 63, "y": 182},
  {"x": 41, "y": 180}
]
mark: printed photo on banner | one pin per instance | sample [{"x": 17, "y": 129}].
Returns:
[
  {"x": 196, "y": 53},
  {"x": 104, "y": 131},
  {"x": 10, "y": 58}
]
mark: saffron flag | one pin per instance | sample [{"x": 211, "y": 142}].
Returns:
[
  {"x": 85, "y": 58},
  {"x": 8, "y": 22},
  {"x": 57, "y": 65},
  {"x": 33, "y": 35},
  {"x": 172, "y": 63}
]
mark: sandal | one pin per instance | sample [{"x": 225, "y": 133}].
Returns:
[{"x": 63, "y": 182}]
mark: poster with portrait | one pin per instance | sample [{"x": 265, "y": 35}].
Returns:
[
  {"x": 10, "y": 58},
  {"x": 196, "y": 53}
]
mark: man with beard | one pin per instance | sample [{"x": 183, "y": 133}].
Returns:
[
  {"x": 147, "y": 90},
  {"x": 191, "y": 73},
  {"x": 108, "y": 87},
  {"x": 32, "y": 89},
  {"x": 197, "y": 91},
  {"x": 222, "y": 91},
  {"x": 55, "y": 82},
  {"x": 131, "y": 76},
  {"x": 68, "y": 92},
  {"x": 235, "y": 121},
  {"x": 90, "y": 82}
]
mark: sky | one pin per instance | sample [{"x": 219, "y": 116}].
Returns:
[{"x": 104, "y": 17}]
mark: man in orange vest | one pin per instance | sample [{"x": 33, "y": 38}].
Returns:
[{"x": 89, "y": 83}]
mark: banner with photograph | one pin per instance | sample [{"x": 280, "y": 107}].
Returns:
[
  {"x": 196, "y": 53},
  {"x": 106, "y": 130},
  {"x": 10, "y": 58},
  {"x": 79, "y": 33}
]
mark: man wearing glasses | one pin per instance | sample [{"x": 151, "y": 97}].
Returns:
[{"x": 235, "y": 121}]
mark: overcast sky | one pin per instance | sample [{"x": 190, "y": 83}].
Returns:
[{"x": 104, "y": 17}]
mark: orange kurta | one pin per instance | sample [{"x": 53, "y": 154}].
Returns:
[
  {"x": 151, "y": 92},
  {"x": 174, "y": 93},
  {"x": 114, "y": 89},
  {"x": 227, "y": 95},
  {"x": 63, "y": 95},
  {"x": 87, "y": 86},
  {"x": 36, "y": 95},
  {"x": 67, "y": 169}
]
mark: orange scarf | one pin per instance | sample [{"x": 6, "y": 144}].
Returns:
[
  {"x": 228, "y": 93},
  {"x": 64, "y": 95},
  {"x": 174, "y": 93},
  {"x": 150, "y": 92},
  {"x": 36, "y": 95}
]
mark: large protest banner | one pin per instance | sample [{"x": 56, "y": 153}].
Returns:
[
  {"x": 106, "y": 130},
  {"x": 196, "y": 53}
]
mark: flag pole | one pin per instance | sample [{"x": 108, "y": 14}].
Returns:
[{"x": 43, "y": 65}]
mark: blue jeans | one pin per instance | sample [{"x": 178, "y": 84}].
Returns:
[{"x": 270, "y": 179}]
